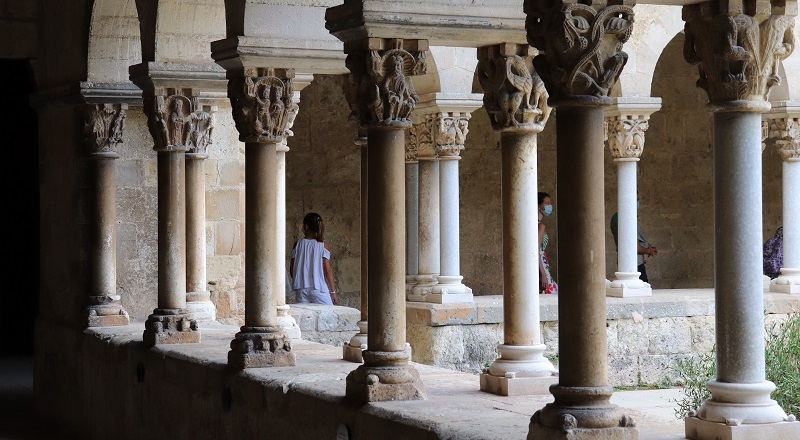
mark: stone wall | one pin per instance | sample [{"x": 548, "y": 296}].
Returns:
[{"x": 646, "y": 336}]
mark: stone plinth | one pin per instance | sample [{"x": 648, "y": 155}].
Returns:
[
  {"x": 258, "y": 347},
  {"x": 697, "y": 429},
  {"x": 167, "y": 326},
  {"x": 510, "y": 385}
]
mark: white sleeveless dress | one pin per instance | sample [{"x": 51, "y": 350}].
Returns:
[{"x": 309, "y": 284}]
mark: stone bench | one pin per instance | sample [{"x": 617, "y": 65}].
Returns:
[{"x": 332, "y": 325}]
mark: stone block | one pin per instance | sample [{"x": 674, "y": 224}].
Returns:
[
  {"x": 130, "y": 173},
  {"x": 223, "y": 205},
  {"x": 231, "y": 173},
  {"x": 517, "y": 386},
  {"x": 541, "y": 432},
  {"x": 228, "y": 238},
  {"x": 703, "y": 333},
  {"x": 697, "y": 429},
  {"x": 623, "y": 370},
  {"x": 668, "y": 335}
]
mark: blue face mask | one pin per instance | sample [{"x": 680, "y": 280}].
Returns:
[{"x": 548, "y": 209}]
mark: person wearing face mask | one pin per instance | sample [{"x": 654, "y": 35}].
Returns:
[
  {"x": 547, "y": 284},
  {"x": 643, "y": 247}
]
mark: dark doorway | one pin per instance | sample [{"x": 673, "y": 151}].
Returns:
[{"x": 19, "y": 295}]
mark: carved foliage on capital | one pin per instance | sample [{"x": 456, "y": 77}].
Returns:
[
  {"x": 786, "y": 133},
  {"x": 513, "y": 94},
  {"x": 177, "y": 119},
  {"x": 582, "y": 45},
  {"x": 737, "y": 51},
  {"x": 418, "y": 140},
  {"x": 626, "y": 136},
  {"x": 263, "y": 109},
  {"x": 380, "y": 89},
  {"x": 103, "y": 126},
  {"x": 449, "y": 132}
]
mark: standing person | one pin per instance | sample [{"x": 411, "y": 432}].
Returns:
[
  {"x": 643, "y": 247},
  {"x": 311, "y": 270},
  {"x": 773, "y": 254},
  {"x": 547, "y": 284}
]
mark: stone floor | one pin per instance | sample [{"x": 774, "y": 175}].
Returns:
[{"x": 455, "y": 409}]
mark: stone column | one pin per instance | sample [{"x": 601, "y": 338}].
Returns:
[
  {"x": 285, "y": 320},
  {"x": 384, "y": 66},
  {"x": 352, "y": 351},
  {"x": 740, "y": 404},
  {"x": 449, "y": 135},
  {"x": 580, "y": 73},
  {"x": 198, "y": 299},
  {"x": 103, "y": 127},
  {"x": 173, "y": 117},
  {"x": 428, "y": 242},
  {"x": 627, "y": 124},
  {"x": 785, "y": 130},
  {"x": 412, "y": 210},
  {"x": 506, "y": 74},
  {"x": 262, "y": 104}
]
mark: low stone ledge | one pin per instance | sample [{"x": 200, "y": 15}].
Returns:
[
  {"x": 186, "y": 391},
  {"x": 332, "y": 325},
  {"x": 666, "y": 303},
  {"x": 647, "y": 336}
]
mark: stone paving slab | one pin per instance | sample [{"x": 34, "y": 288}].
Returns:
[{"x": 455, "y": 408}]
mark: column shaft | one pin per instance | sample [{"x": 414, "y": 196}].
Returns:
[
  {"x": 364, "y": 234},
  {"x": 450, "y": 264},
  {"x": 171, "y": 229},
  {"x": 195, "y": 227},
  {"x": 429, "y": 249},
  {"x": 412, "y": 220},
  {"x": 582, "y": 345},
  {"x": 520, "y": 247},
  {"x": 738, "y": 256},
  {"x": 387, "y": 308},
  {"x": 260, "y": 236},
  {"x": 103, "y": 252},
  {"x": 280, "y": 230},
  {"x": 627, "y": 217},
  {"x": 791, "y": 214}
]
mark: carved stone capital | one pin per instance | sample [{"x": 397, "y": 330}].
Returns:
[
  {"x": 418, "y": 138},
  {"x": 626, "y": 136},
  {"x": 263, "y": 105},
  {"x": 103, "y": 126},
  {"x": 582, "y": 45},
  {"x": 786, "y": 134},
  {"x": 513, "y": 94},
  {"x": 380, "y": 90},
  {"x": 737, "y": 47},
  {"x": 449, "y": 131},
  {"x": 177, "y": 120}
]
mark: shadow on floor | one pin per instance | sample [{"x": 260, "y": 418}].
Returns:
[{"x": 17, "y": 418}]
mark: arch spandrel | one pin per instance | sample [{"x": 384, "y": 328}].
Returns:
[{"x": 180, "y": 31}]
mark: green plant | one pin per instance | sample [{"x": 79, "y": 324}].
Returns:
[{"x": 782, "y": 362}]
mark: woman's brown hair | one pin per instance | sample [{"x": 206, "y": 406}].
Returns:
[{"x": 313, "y": 226}]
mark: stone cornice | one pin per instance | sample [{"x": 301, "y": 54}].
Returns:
[
  {"x": 317, "y": 57},
  {"x": 475, "y": 24},
  {"x": 207, "y": 77}
]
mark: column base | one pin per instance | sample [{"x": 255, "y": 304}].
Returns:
[
  {"x": 423, "y": 286},
  {"x": 698, "y": 429},
  {"x": 788, "y": 282},
  {"x": 411, "y": 282},
  {"x": 287, "y": 323},
  {"x": 170, "y": 326},
  {"x": 106, "y": 315},
  {"x": 628, "y": 284},
  {"x": 510, "y": 385},
  {"x": 450, "y": 290},
  {"x": 352, "y": 351},
  {"x": 260, "y": 347},
  {"x": 201, "y": 307},
  {"x": 387, "y": 377},
  {"x": 581, "y": 413},
  {"x": 741, "y": 403}
]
